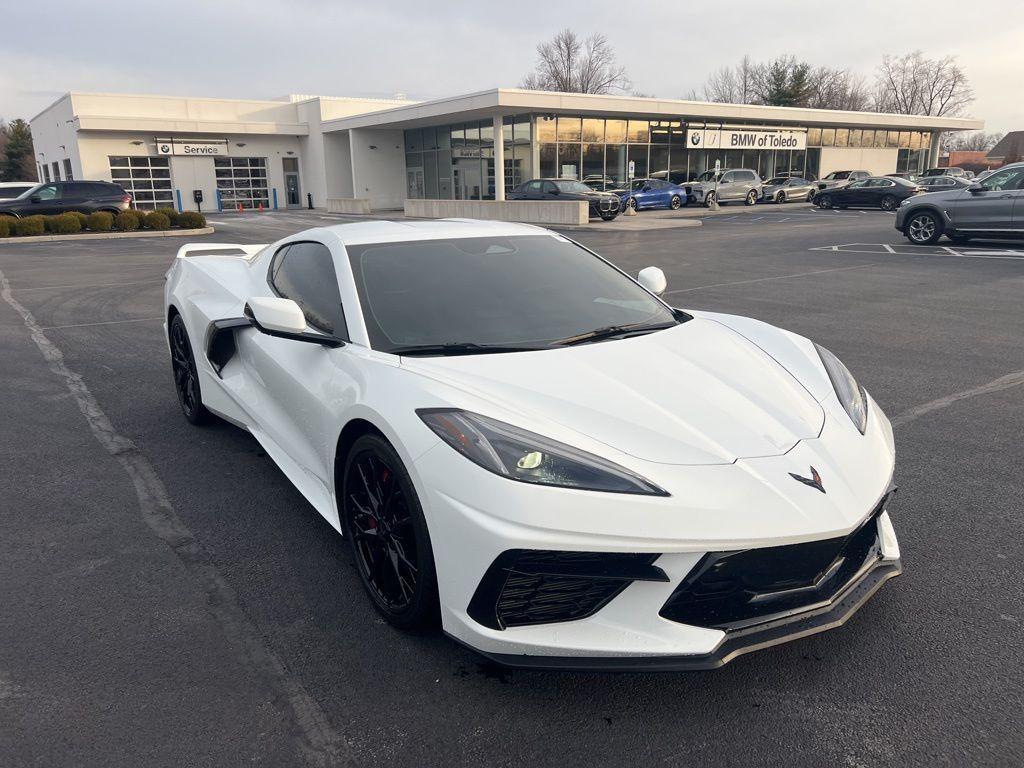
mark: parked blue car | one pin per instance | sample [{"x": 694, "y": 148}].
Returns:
[{"x": 652, "y": 193}]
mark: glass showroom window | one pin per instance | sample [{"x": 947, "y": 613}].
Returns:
[
  {"x": 146, "y": 179},
  {"x": 242, "y": 181}
]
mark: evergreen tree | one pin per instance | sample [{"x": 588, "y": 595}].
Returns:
[{"x": 17, "y": 162}]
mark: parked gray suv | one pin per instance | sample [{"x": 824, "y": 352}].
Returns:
[
  {"x": 729, "y": 184},
  {"x": 993, "y": 206}
]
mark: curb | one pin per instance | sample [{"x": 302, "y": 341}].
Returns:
[{"x": 107, "y": 235}]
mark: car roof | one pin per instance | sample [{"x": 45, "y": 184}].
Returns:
[{"x": 383, "y": 231}]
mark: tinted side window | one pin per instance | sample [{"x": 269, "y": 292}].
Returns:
[
  {"x": 304, "y": 273},
  {"x": 105, "y": 190},
  {"x": 728, "y": 178},
  {"x": 534, "y": 187}
]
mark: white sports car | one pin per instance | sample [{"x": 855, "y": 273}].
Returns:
[{"x": 526, "y": 445}]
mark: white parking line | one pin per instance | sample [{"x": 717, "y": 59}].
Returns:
[
  {"x": 906, "y": 249},
  {"x": 105, "y": 322}
]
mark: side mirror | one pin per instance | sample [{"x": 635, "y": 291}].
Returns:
[
  {"x": 653, "y": 279},
  {"x": 975, "y": 187},
  {"x": 283, "y": 318},
  {"x": 646, "y": 189},
  {"x": 553, "y": 191},
  {"x": 36, "y": 199}
]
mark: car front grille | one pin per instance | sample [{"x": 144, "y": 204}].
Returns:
[
  {"x": 608, "y": 204},
  {"x": 728, "y": 590},
  {"x": 523, "y": 587}
]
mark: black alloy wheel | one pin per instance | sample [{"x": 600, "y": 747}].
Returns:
[
  {"x": 751, "y": 197},
  {"x": 780, "y": 198},
  {"x": 186, "y": 377},
  {"x": 810, "y": 196},
  {"x": 709, "y": 199},
  {"x": 889, "y": 203},
  {"x": 385, "y": 527},
  {"x": 824, "y": 201},
  {"x": 675, "y": 203}
]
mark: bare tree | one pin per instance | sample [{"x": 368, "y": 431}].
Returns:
[
  {"x": 837, "y": 89},
  {"x": 732, "y": 85},
  {"x": 916, "y": 85},
  {"x": 571, "y": 65},
  {"x": 976, "y": 141}
]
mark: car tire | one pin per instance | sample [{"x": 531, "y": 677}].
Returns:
[
  {"x": 889, "y": 203},
  {"x": 824, "y": 201},
  {"x": 709, "y": 199},
  {"x": 751, "y": 198},
  {"x": 675, "y": 203},
  {"x": 186, "y": 375},
  {"x": 780, "y": 198},
  {"x": 631, "y": 203},
  {"x": 810, "y": 196},
  {"x": 923, "y": 228},
  {"x": 383, "y": 520}
]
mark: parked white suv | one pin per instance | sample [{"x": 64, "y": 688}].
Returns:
[{"x": 728, "y": 184}]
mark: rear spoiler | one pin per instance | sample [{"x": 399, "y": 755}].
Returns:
[{"x": 220, "y": 249}]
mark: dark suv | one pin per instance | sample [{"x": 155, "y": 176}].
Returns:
[
  {"x": 603, "y": 204},
  {"x": 62, "y": 196}
]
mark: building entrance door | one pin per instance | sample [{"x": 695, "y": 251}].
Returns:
[{"x": 292, "y": 189}]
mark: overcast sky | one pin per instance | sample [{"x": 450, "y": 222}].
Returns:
[{"x": 264, "y": 48}]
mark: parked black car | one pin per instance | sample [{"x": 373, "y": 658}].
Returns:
[
  {"x": 603, "y": 204},
  {"x": 61, "y": 196},
  {"x": 882, "y": 192}
]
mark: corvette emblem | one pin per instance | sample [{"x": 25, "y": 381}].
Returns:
[{"x": 814, "y": 480}]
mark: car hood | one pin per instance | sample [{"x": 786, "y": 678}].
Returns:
[{"x": 699, "y": 393}]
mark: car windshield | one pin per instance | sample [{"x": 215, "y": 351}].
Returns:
[
  {"x": 838, "y": 175},
  {"x": 573, "y": 186},
  {"x": 708, "y": 176},
  {"x": 523, "y": 291},
  {"x": 19, "y": 192},
  {"x": 778, "y": 180}
]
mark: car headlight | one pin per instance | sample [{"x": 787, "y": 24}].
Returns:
[
  {"x": 528, "y": 457},
  {"x": 850, "y": 393}
]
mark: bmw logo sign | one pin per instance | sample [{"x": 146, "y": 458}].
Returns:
[
  {"x": 695, "y": 139},
  {"x": 165, "y": 149}
]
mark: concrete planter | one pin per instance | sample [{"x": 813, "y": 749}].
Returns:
[{"x": 358, "y": 205}]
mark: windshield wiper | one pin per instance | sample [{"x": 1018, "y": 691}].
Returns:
[
  {"x": 458, "y": 348},
  {"x": 612, "y": 331}
]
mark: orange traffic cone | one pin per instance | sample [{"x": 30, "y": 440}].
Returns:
[{"x": 239, "y": 207}]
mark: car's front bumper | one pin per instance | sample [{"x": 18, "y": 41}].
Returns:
[{"x": 477, "y": 518}]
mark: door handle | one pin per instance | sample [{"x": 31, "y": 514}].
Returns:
[{"x": 1004, "y": 197}]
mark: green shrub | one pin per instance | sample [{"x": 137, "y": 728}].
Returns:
[
  {"x": 127, "y": 221},
  {"x": 65, "y": 224},
  {"x": 50, "y": 224},
  {"x": 5, "y": 226},
  {"x": 156, "y": 220},
  {"x": 29, "y": 226},
  {"x": 83, "y": 220},
  {"x": 170, "y": 213},
  {"x": 101, "y": 221},
  {"x": 191, "y": 220}
]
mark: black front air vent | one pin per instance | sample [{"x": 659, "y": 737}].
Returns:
[
  {"x": 523, "y": 586},
  {"x": 727, "y": 590}
]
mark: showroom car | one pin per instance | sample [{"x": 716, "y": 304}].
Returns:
[
  {"x": 652, "y": 193},
  {"x": 839, "y": 179},
  {"x": 530, "y": 448},
  {"x": 603, "y": 204},
  {"x": 62, "y": 196},
  {"x": 991, "y": 207},
  {"x": 725, "y": 186},
  {"x": 954, "y": 171},
  {"x": 882, "y": 192},
  {"x": 786, "y": 189}
]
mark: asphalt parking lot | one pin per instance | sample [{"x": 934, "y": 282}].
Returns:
[{"x": 170, "y": 599}]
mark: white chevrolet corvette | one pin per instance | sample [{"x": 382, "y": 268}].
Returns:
[{"x": 526, "y": 445}]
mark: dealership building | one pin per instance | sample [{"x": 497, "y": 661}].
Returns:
[{"x": 357, "y": 154}]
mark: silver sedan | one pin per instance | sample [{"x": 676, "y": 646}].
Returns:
[{"x": 783, "y": 189}]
